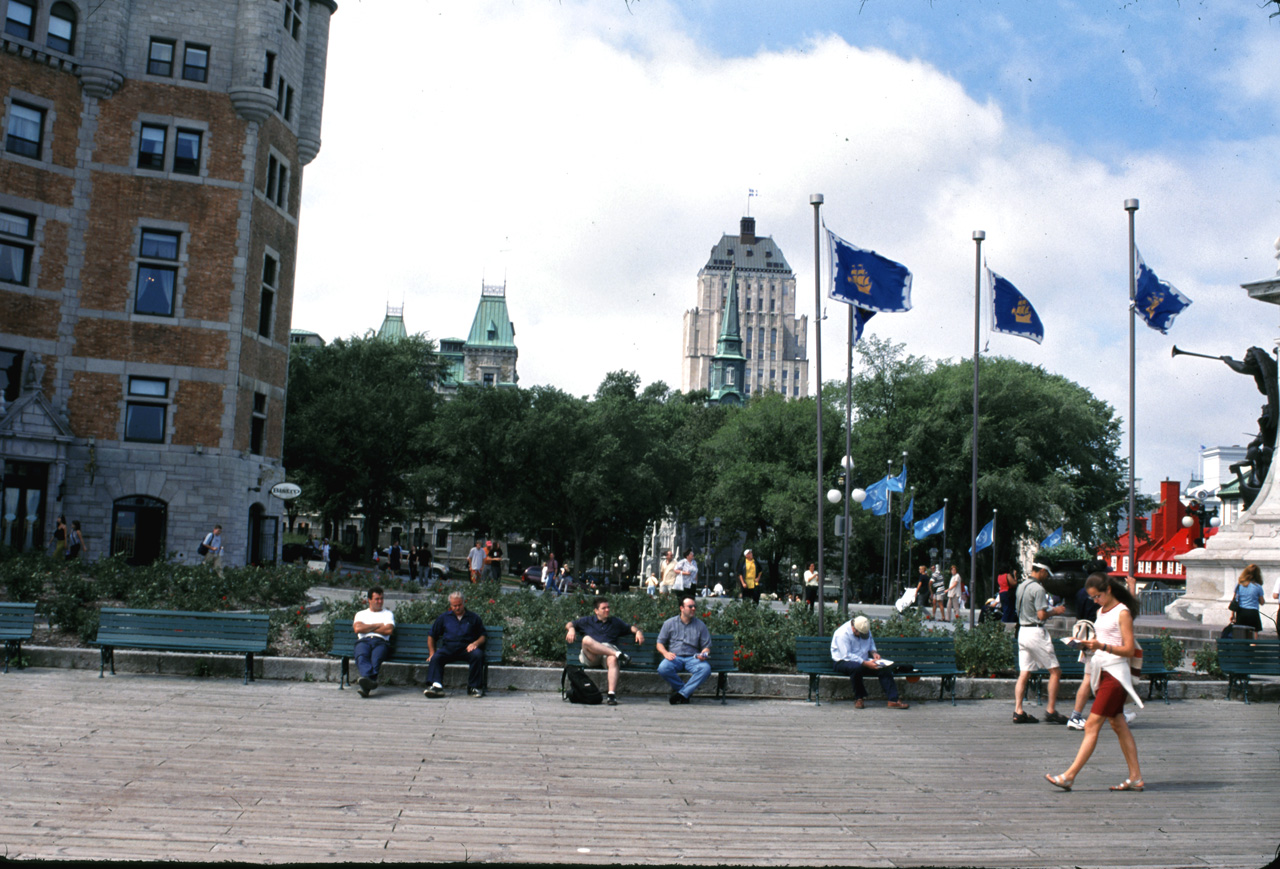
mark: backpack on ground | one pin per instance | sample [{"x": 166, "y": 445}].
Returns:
[{"x": 581, "y": 688}]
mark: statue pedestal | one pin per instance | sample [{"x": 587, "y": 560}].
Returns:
[{"x": 1212, "y": 572}]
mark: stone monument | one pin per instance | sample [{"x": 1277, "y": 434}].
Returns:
[{"x": 1253, "y": 539}]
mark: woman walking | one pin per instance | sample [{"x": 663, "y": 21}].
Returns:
[
  {"x": 75, "y": 542},
  {"x": 1248, "y": 599},
  {"x": 1108, "y": 671}
]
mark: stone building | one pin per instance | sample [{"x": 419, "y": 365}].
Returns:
[
  {"x": 149, "y": 192},
  {"x": 488, "y": 355},
  {"x": 773, "y": 339}
]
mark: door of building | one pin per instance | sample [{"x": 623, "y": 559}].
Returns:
[
  {"x": 138, "y": 526},
  {"x": 22, "y": 505}
]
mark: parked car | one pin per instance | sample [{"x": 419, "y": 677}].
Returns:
[{"x": 532, "y": 576}]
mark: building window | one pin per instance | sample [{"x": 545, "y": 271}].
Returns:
[
  {"x": 277, "y": 181},
  {"x": 15, "y": 255},
  {"x": 186, "y": 154},
  {"x": 195, "y": 62},
  {"x": 488, "y": 378},
  {"x": 10, "y": 374},
  {"x": 19, "y": 19},
  {"x": 773, "y": 337},
  {"x": 288, "y": 103},
  {"x": 266, "y": 306},
  {"x": 292, "y": 17},
  {"x": 156, "y": 278},
  {"x": 62, "y": 28},
  {"x": 258, "y": 425},
  {"x": 269, "y": 73},
  {"x": 151, "y": 144},
  {"x": 144, "y": 420},
  {"x": 771, "y": 304},
  {"x": 26, "y": 129},
  {"x": 747, "y": 301},
  {"x": 160, "y": 57}
]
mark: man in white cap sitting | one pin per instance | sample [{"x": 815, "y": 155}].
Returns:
[{"x": 854, "y": 652}]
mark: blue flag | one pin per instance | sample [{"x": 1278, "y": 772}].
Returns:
[
  {"x": 866, "y": 279},
  {"x": 1157, "y": 302},
  {"x": 898, "y": 483},
  {"x": 1052, "y": 540},
  {"x": 910, "y": 515},
  {"x": 860, "y": 318},
  {"x": 932, "y": 525},
  {"x": 1011, "y": 313},
  {"x": 985, "y": 536},
  {"x": 876, "y": 493}
]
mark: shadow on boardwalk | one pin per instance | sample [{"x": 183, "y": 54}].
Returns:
[{"x": 171, "y": 768}]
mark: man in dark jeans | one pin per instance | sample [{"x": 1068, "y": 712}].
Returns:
[
  {"x": 373, "y": 627},
  {"x": 457, "y": 635}
]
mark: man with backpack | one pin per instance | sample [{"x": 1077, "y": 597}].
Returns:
[{"x": 600, "y": 633}]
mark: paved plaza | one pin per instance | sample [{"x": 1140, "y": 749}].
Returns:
[{"x": 181, "y": 768}]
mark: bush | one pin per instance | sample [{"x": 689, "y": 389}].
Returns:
[
  {"x": 1172, "y": 650},
  {"x": 985, "y": 650},
  {"x": 1206, "y": 661}
]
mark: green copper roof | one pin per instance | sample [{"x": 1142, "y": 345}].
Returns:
[
  {"x": 491, "y": 326},
  {"x": 393, "y": 325},
  {"x": 730, "y": 341}
]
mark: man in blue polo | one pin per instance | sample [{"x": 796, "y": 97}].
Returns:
[
  {"x": 457, "y": 635},
  {"x": 600, "y": 632},
  {"x": 685, "y": 644}
]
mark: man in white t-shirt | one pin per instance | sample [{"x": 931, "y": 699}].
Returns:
[
  {"x": 475, "y": 560},
  {"x": 373, "y": 627}
]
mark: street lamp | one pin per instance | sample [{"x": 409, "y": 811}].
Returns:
[{"x": 834, "y": 496}]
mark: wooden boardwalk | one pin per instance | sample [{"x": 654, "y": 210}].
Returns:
[{"x": 172, "y": 768}]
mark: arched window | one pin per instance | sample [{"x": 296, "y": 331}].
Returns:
[{"x": 62, "y": 28}]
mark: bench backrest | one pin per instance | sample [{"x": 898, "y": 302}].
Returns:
[
  {"x": 17, "y": 620},
  {"x": 117, "y": 626},
  {"x": 409, "y": 643},
  {"x": 1249, "y": 656},
  {"x": 813, "y": 653}
]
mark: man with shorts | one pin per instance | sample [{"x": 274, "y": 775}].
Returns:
[
  {"x": 600, "y": 632},
  {"x": 1035, "y": 648}
]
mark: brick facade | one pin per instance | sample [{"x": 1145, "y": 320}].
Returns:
[{"x": 147, "y": 402}]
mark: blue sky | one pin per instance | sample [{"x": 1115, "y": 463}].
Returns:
[{"x": 590, "y": 154}]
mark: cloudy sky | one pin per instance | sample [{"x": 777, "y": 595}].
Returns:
[{"x": 590, "y": 154}]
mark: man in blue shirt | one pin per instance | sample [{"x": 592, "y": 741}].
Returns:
[
  {"x": 685, "y": 644},
  {"x": 853, "y": 650},
  {"x": 457, "y": 635},
  {"x": 600, "y": 632}
]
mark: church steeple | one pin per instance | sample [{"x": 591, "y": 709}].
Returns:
[{"x": 728, "y": 366}]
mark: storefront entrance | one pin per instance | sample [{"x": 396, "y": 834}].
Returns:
[{"x": 22, "y": 508}]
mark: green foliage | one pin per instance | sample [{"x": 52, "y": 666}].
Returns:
[
  {"x": 1205, "y": 661},
  {"x": 985, "y": 650},
  {"x": 1172, "y": 650}
]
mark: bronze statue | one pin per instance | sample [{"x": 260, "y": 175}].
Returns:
[{"x": 1259, "y": 364}]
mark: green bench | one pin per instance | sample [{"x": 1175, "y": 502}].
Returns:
[
  {"x": 178, "y": 631},
  {"x": 17, "y": 621},
  {"x": 1153, "y": 669},
  {"x": 409, "y": 646},
  {"x": 1240, "y": 659},
  {"x": 911, "y": 656},
  {"x": 645, "y": 659}
]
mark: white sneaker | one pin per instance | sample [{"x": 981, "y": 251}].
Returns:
[
  {"x": 1129, "y": 716},
  {"x": 1075, "y": 722}
]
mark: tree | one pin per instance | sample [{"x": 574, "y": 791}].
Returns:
[{"x": 358, "y": 413}]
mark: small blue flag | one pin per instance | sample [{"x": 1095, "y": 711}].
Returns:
[
  {"x": 1052, "y": 540},
  {"x": 985, "y": 536},
  {"x": 898, "y": 483},
  {"x": 866, "y": 279},
  {"x": 910, "y": 515},
  {"x": 1157, "y": 302},
  {"x": 932, "y": 525},
  {"x": 876, "y": 493},
  {"x": 860, "y": 318},
  {"x": 1011, "y": 313}
]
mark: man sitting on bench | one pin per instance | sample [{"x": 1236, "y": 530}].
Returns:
[
  {"x": 600, "y": 633},
  {"x": 853, "y": 651},
  {"x": 457, "y": 635},
  {"x": 373, "y": 627}
]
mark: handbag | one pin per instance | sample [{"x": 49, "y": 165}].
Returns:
[{"x": 1234, "y": 606}]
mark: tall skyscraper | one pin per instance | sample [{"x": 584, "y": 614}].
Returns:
[
  {"x": 772, "y": 340},
  {"x": 150, "y": 183}
]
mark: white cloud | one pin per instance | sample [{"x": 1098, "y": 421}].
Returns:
[{"x": 593, "y": 156}]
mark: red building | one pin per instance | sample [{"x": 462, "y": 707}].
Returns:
[{"x": 1156, "y": 550}]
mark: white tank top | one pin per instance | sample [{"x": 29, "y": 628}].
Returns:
[{"x": 1107, "y": 624}]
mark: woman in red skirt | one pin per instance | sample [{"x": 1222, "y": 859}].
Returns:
[{"x": 1108, "y": 668}]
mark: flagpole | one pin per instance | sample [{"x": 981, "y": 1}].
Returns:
[
  {"x": 1131, "y": 205},
  {"x": 847, "y": 463},
  {"x": 888, "y": 533},
  {"x": 993, "y": 564},
  {"x": 815, "y": 200},
  {"x": 978, "y": 236}
]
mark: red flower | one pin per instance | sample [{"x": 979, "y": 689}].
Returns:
[{"x": 491, "y": 600}]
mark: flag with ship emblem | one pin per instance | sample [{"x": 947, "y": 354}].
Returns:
[
  {"x": 1157, "y": 302},
  {"x": 867, "y": 280},
  {"x": 1011, "y": 313}
]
